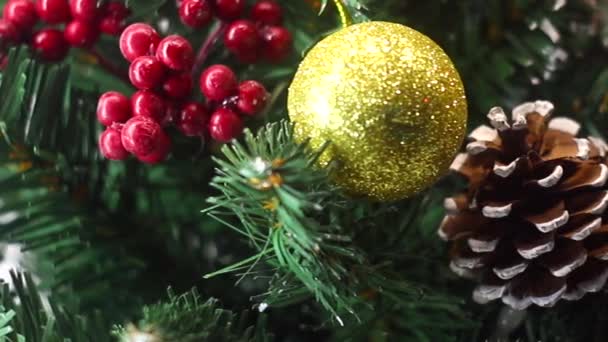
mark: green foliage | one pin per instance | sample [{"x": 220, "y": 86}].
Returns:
[
  {"x": 143, "y": 8},
  {"x": 112, "y": 236},
  {"x": 109, "y": 231},
  {"x": 349, "y": 255},
  {"x": 504, "y": 50},
  {"x": 262, "y": 183},
  {"x": 31, "y": 317},
  {"x": 187, "y": 318},
  {"x": 40, "y": 187}
]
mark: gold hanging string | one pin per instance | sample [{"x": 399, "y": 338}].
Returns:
[{"x": 345, "y": 18}]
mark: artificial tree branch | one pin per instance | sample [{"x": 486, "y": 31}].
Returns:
[
  {"x": 205, "y": 49},
  {"x": 109, "y": 66}
]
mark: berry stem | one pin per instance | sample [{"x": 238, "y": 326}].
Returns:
[
  {"x": 205, "y": 49},
  {"x": 109, "y": 66}
]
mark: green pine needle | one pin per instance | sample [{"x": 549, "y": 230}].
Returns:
[
  {"x": 187, "y": 318},
  {"x": 348, "y": 256},
  {"x": 31, "y": 317},
  {"x": 270, "y": 185}
]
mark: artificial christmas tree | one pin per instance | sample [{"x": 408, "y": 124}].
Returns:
[{"x": 147, "y": 145}]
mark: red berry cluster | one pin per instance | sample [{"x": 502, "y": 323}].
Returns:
[
  {"x": 250, "y": 40},
  {"x": 84, "y": 21},
  {"x": 198, "y": 13},
  {"x": 228, "y": 98},
  {"x": 160, "y": 69}
]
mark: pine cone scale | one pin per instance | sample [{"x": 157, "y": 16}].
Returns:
[
  {"x": 580, "y": 227},
  {"x": 549, "y": 219},
  {"x": 593, "y": 202},
  {"x": 530, "y": 245},
  {"x": 567, "y": 256},
  {"x": 537, "y": 286},
  {"x": 509, "y": 272}
]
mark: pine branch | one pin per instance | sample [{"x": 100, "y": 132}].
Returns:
[
  {"x": 262, "y": 184},
  {"x": 504, "y": 50},
  {"x": 143, "y": 8},
  {"x": 187, "y": 318},
  {"x": 49, "y": 167},
  {"x": 349, "y": 255},
  {"x": 31, "y": 317},
  {"x": 102, "y": 228}
]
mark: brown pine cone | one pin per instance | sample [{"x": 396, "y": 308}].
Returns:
[{"x": 530, "y": 225}]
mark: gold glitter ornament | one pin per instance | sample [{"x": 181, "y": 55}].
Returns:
[{"x": 390, "y": 102}]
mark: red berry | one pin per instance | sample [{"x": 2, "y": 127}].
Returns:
[
  {"x": 141, "y": 135},
  {"x": 176, "y": 53},
  {"x": 53, "y": 11},
  {"x": 81, "y": 33},
  {"x": 50, "y": 44},
  {"x": 195, "y": 13},
  {"x": 116, "y": 9},
  {"x": 149, "y": 104},
  {"x": 160, "y": 153},
  {"x": 113, "y": 20},
  {"x": 192, "y": 119},
  {"x": 9, "y": 33},
  {"x": 178, "y": 86},
  {"x": 138, "y": 40},
  {"x": 252, "y": 97},
  {"x": 4, "y": 62},
  {"x": 278, "y": 43},
  {"x": 113, "y": 107},
  {"x": 146, "y": 72},
  {"x": 110, "y": 145},
  {"x": 225, "y": 125},
  {"x": 22, "y": 13},
  {"x": 218, "y": 82},
  {"x": 267, "y": 12},
  {"x": 84, "y": 9},
  {"x": 112, "y": 25},
  {"x": 242, "y": 39},
  {"x": 229, "y": 9}
]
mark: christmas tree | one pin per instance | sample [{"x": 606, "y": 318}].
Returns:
[{"x": 331, "y": 170}]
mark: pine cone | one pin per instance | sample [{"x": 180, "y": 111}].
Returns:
[{"x": 530, "y": 225}]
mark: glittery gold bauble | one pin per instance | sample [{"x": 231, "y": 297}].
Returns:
[{"x": 390, "y": 102}]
